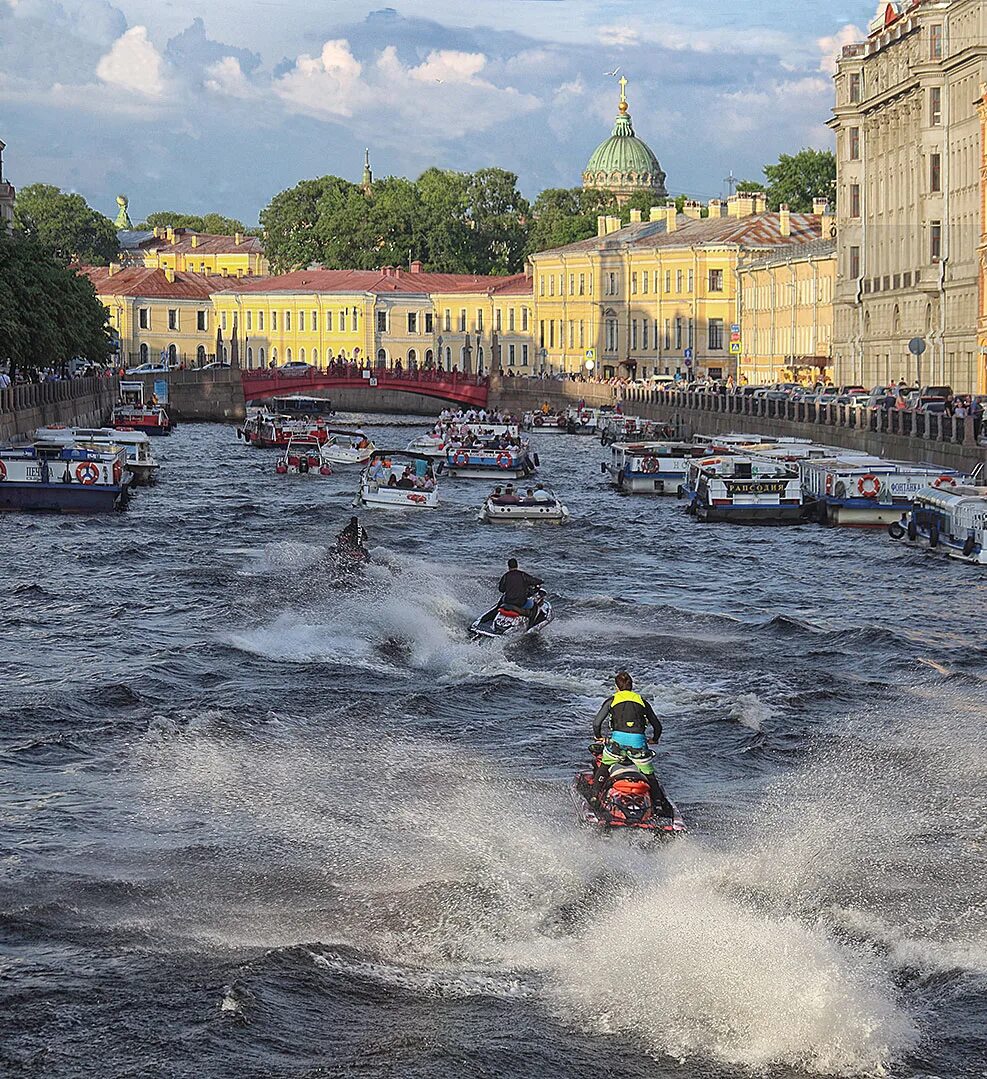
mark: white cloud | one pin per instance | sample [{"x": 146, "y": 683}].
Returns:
[
  {"x": 133, "y": 63},
  {"x": 618, "y": 35},
  {"x": 328, "y": 85},
  {"x": 831, "y": 47},
  {"x": 226, "y": 77},
  {"x": 447, "y": 65}
]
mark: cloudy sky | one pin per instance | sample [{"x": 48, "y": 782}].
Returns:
[{"x": 201, "y": 105}]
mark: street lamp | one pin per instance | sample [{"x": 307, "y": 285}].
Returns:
[
  {"x": 479, "y": 353},
  {"x": 543, "y": 356},
  {"x": 439, "y": 357}
]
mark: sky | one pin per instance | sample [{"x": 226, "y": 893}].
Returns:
[{"x": 217, "y": 105}]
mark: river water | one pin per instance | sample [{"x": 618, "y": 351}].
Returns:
[{"x": 258, "y": 823}]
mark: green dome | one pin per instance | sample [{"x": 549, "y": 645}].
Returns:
[{"x": 624, "y": 164}]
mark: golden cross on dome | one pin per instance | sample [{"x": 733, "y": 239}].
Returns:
[{"x": 623, "y": 89}]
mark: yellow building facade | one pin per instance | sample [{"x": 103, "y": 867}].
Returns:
[
  {"x": 186, "y": 251},
  {"x": 657, "y": 297},
  {"x": 786, "y": 314}
]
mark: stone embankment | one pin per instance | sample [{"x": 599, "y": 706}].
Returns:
[
  {"x": 80, "y": 402},
  {"x": 938, "y": 440}
]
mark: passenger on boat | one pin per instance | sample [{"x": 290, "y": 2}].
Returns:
[
  {"x": 392, "y": 480},
  {"x": 377, "y": 472},
  {"x": 628, "y": 715},
  {"x": 540, "y": 494},
  {"x": 510, "y": 497},
  {"x": 360, "y": 441},
  {"x": 516, "y": 586},
  {"x": 407, "y": 480}
]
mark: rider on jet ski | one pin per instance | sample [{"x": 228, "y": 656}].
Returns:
[
  {"x": 517, "y": 587},
  {"x": 628, "y": 714},
  {"x": 353, "y": 539}
]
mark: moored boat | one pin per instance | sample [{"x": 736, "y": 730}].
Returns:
[
  {"x": 550, "y": 422},
  {"x": 140, "y": 462},
  {"x": 58, "y": 478},
  {"x": 482, "y": 463},
  {"x": 649, "y": 467},
  {"x": 744, "y": 490},
  {"x": 615, "y": 428},
  {"x": 133, "y": 413},
  {"x": 949, "y": 519},
  {"x": 267, "y": 431},
  {"x": 532, "y": 504},
  {"x": 397, "y": 479},
  {"x": 297, "y": 404}
]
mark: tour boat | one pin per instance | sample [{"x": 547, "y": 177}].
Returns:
[
  {"x": 949, "y": 519},
  {"x": 479, "y": 463},
  {"x": 550, "y": 422},
  {"x": 298, "y": 405},
  {"x": 134, "y": 414},
  {"x": 140, "y": 461},
  {"x": 266, "y": 431},
  {"x": 735, "y": 442},
  {"x": 613, "y": 429},
  {"x": 868, "y": 491},
  {"x": 582, "y": 421},
  {"x": 522, "y": 505},
  {"x": 385, "y": 466},
  {"x": 649, "y": 467},
  {"x": 304, "y": 456},
  {"x": 348, "y": 448},
  {"x": 60, "y": 478},
  {"x": 744, "y": 489}
]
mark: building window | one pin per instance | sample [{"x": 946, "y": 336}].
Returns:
[
  {"x": 315, "y": 322},
  {"x": 447, "y": 319},
  {"x": 510, "y": 320},
  {"x": 935, "y": 240},
  {"x": 692, "y": 281},
  {"x": 172, "y": 319},
  {"x": 342, "y": 321},
  {"x": 541, "y": 286},
  {"x": 261, "y": 357},
  {"x": 644, "y": 282},
  {"x": 572, "y": 284},
  {"x": 715, "y": 280},
  {"x": 854, "y": 263},
  {"x": 301, "y": 321},
  {"x": 274, "y": 321},
  {"x": 582, "y": 284},
  {"x": 382, "y": 322},
  {"x": 855, "y": 200},
  {"x": 716, "y": 335},
  {"x": 524, "y": 319},
  {"x": 582, "y": 334},
  {"x": 510, "y": 355},
  {"x": 854, "y": 143},
  {"x": 200, "y": 320},
  {"x": 678, "y": 280},
  {"x": 479, "y": 319},
  {"x": 644, "y": 335},
  {"x": 260, "y": 320},
  {"x": 462, "y": 320},
  {"x": 301, "y": 355},
  {"x": 935, "y": 172},
  {"x": 412, "y": 322},
  {"x": 612, "y": 281},
  {"x": 551, "y": 333},
  {"x": 428, "y": 321},
  {"x": 611, "y": 335},
  {"x": 634, "y": 335},
  {"x": 498, "y": 319},
  {"x": 935, "y": 105},
  {"x": 541, "y": 334},
  {"x": 551, "y": 284},
  {"x": 287, "y": 355},
  {"x": 855, "y": 88},
  {"x": 935, "y": 41},
  {"x": 668, "y": 281},
  {"x": 144, "y": 318},
  {"x": 678, "y": 333},
  {"x": 328, "y": 322},
  {"x": 668, "y": 333},
  {"x": 287, "y": 322},
  {"x": 524, "y": 355},
  {"x": 633, "y": 284}
]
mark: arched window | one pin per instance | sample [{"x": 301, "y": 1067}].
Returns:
[
  {"x": 315, "y": 357},
  {"x": 200, "y": 355},
  {"x": 381, "y": 357},
  {"x": 143, "y": 353},
  {"x": 448, "y": 359},
  {"x": 250, "y": 357},
  {"x": 226, "y": 354},
  {"x": 479, "y": 360},
  {"x": 172, "y": 354},
  {"x": 429, "y": 359},
  {"x": 287, "y": 356},
  {"x": 274, "y": 355},
  {"x": 262, "y": 358},
  {"x": 412, "y": 357},
  {"x": 301, "y": 355}
]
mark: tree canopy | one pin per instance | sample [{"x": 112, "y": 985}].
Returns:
[
  {"x": 213, "y": 223},
  {"x": 799, "y": 178},
  {"x": 48, "y": 312},
  {"x": 64, "y": 225}
]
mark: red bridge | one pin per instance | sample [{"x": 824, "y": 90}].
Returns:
[{"x": 445, "y": 385}]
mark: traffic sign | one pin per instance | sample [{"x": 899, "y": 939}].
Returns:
[
  {"x": 591, "y": 354},
  {"x": 688, "y": 359},
  {"x": 688, "y": 353},
  {"x": 735, "y": 328},
  {"x": 735, "y": 348},
  {"x": 916, "y": 346}
]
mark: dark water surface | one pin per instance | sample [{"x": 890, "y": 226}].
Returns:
[{"x": 256, "y": 823}]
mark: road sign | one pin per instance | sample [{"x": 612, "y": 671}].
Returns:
[
  {"x": 916, "y": 346},
  {"x": 735, "y": 328},
  {"x": 373, "y": 382},
  {"x": 735, "y": 348},
  {"x": 591, "y": 354},
  {"x": 688, "y": 361},
  {"x": 688, "y": 353}
]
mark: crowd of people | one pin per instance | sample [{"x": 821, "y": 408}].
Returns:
[
  {"x": 383, "y": 473},
  {"x": 511, "y": 496}
]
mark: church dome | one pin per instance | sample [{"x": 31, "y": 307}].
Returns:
[{"x": 624, "y": 164}]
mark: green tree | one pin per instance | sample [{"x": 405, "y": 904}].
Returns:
[
  {"x": 496, "y": 215},
  {"x": 565, "y": 215},
  {"x": 64, "y": 225},
  {"x": 213, "y": 223},
  {"x": 293, "y": 236},
  {"x": 799, "y": 178},
  {"x": 48, "y": 312}
]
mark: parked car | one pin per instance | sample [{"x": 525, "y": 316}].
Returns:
[
  {"x": 937, "y": 391},
  {"x": 295, "y": 367},
  {"x": 149, "y": 369},
  {"x": 215, "y": 364}
]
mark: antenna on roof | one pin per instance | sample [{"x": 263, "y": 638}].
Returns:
[{"x": 731, "y": 181}]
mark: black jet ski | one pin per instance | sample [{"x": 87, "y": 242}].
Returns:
[
  {"x": 501, "y": 621},
  {"x": 626, "y": 804}
]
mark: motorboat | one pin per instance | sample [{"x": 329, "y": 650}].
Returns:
[
  {"x": 626, "y": 804},
  {"x": 950, "y": 519},
  {"x": 482, "y": 463},
  {"x": 582, "y": 421},
  {"x": 868, "y": 491},
  {"x": 740, "y": 442},
  {"x": 348, "y": 447},
  {"x": 431, "y": 445},
  {"x": 524, "y": 505},
  {"x": 304, "y": 456},
  {"x": 550, "y": 423},
  {"x": 744, "y": 490},
  {"x": 270, "y": 431},
  {"x": 614, "y": 428},
  {"x": 57, "y": 477},
  {"x": 397, "y": 479},
  {"x": 503, "y": 621},
  {"x": 297, "y": 404},
  {"x": 140, "y": 462},
  {"x": 134, "y": 413},
  {"x": 649, "y": 467}
]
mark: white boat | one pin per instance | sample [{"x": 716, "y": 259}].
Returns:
[
  {"x": 524, "y": 506},
  {"x": 582, "y": 421},
  {"x": 649, "y": 467},
  {"x": 860, "y": 490},
  {"x": 550, "y": 423},
  {"x": 737, "y": 442},
  {"x": 613, "y": 428},
  {"x": 431, "y": 445},
  {"x": 304, "y": 456},
  {"x": 949, "y": 519},
  {"x": 345, "y": 448},
  {"x": 481, "y": 463},
  {"x": 380, "y": 483},
  {"x": 744, "y": 490},
  {"x": 140, "y": 461}
]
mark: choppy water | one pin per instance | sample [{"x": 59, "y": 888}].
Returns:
[{"x": 257, "y": 824}]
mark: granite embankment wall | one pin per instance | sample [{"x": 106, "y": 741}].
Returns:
[
  {"x": 80, "y": 402},
  {"x": 938, "y": 440}
]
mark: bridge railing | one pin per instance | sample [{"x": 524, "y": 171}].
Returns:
[
  {"x": 35, "y": 394},
  {"x": 357, "y": 374}
]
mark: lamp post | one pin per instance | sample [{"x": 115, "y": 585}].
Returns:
[
  {"x": 543, "y": 356},
  {"x": 439, "y": 357},
  {"x": 479, "y": 353},
  {"x": 467, "y": 354}
]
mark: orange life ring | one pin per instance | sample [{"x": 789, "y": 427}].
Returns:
[
  {"x": 504, "y": 460},
  {"x": 829, "y": 484},
  {"x": 418, "y": 498},
  {"x": 87, "y": 473},
  {"x": 3, "y": 471},
  {"x": 945, "y": 481},
  {"x": 461, "y": 459},
  {"x": 538, "y": 421},
  {"x": 117, "y": 472},
  {"x": 650, "y": 464},
  {"x": 868, "y": 485}
]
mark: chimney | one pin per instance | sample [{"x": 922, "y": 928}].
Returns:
[
  {"x": 820, "y": 206},
  {"x": 225, "y": 271},
  {"x": 715, "y": 208},
  {"x": 170, "y": 234},
  {"x": 601, "y": 226},
  {"x": 827, "y": 225},
  {"x": 693, "y": 210},
  {"x": 635, "y": 217},
  {"x": 656, "y": 213},
  {"x": 741, "y": 205},
  {"x": 195, "y": 240},
  {"x": 671, "y": 217},
  {"x": 158, "y": 232},
  {"x": 114, "y": 268},
  {"x": 397, "y": 271},
  {"x": 169, "y": 275},
  {"x": 416, "y": 267},
  {"x": 238, "y": 238},
  {"x": 760, "y": 202},
  {"x": 613, "y": 224},
  {"x": 784, "y": 220}
]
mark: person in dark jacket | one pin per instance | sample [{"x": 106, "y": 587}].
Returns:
[{"x": 517, "y": 586}]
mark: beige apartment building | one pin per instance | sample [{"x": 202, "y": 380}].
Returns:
[{"x": 908, "y": 196}]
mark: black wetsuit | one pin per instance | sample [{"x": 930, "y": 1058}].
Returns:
[
  {"x": 353, "y": 536},
  {"x": 516, "y": 586}
]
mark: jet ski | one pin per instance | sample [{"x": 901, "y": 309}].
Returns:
[
  {"x": 626, "y": 804},
  {"x": 501, "y": 621}
]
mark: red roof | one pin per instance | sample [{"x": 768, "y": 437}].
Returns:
[
  {"x": 152, "y": 284},
  {"x": 205, "y": 244},
  {"x": 394, "y": 280}
]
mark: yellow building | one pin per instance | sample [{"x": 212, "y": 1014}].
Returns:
[
  {"x": 379, "y": 317},
  {"x": 186, "y": 251},
  {"x": 656, "y": 297},
  {"x": 982, "y": 249},
  {"x": 786, "y": 313},
  {"x": 158, "y": 313}
]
